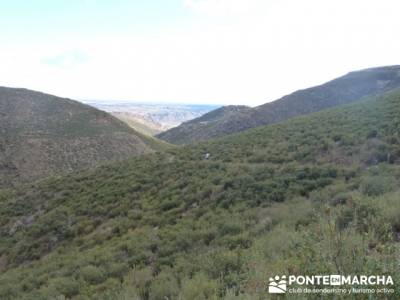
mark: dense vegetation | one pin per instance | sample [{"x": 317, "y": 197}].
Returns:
[
  {"x": 346, "y": 89},
  {"x": 43, "y": 135},
  {"x": 314, "y": 195}
]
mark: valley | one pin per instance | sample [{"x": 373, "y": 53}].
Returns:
[
  {"x": 294, "y": 197},
  {"x": 152, "y": 119},
  {"x": 199, "y": 150}
]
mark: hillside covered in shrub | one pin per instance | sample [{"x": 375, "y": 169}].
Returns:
[
  {"x": 346, "y": 89},
  {"x": 317, "y": 194},
  {"x": 43, "y": 135}
]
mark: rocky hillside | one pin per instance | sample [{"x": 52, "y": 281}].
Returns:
[
  {"x": 43, "y": 135},
  {"x": 201, "y": 125},
  {"x": 140, "y": 123},
  {"x": 349, "y": 88}
]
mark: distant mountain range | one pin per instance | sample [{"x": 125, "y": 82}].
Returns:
[
  {"x": 43, "y": 135},
  {"x": 346, "y": 89},
  {"x": 152, "y": 119}
]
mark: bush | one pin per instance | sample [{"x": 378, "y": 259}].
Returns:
[
  {"x": 92, "y": 274},
  {"x": 116, "y": 269},
  {"x": 65, "y": 286},
  {"x": 140, "y": 281},
  {"x": 164, "y": 286},
  {"x": 229, "y": 229},
  {"x": 340, "y": 199},
  {"x": 8, "y": 291},
  {"x": 375, "y": 186},
  {"x": 200, "y": 287}
]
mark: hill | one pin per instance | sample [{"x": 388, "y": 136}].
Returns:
[
  {"x": 197, "y": 129},
  {"x": 43, "y": 135},
  {"x": 316, "y": 194},
  {"x": 346, "y": 89},
  {"x": 140, "y": 123}
]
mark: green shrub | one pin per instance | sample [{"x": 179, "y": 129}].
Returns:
[
  {"x": 340, "y": 199},
  {"x": 116, "y": 269},
  {"x": 8, "y": 290},
  {"x": 200, "y": 287},
  {"x": 65, "y": 286},
  {"x": 140, "y": 280},
  {"x": 229, "y": 229},
  {"x": 376, "y": 185},
  {"x": 164, "y": 286},
  {"x": 92, "y": 274}
]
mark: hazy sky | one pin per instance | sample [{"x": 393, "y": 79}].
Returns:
[{"x": 200, "y": 51}]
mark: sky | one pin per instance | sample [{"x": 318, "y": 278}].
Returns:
[{"x": 191, "y": 51}]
